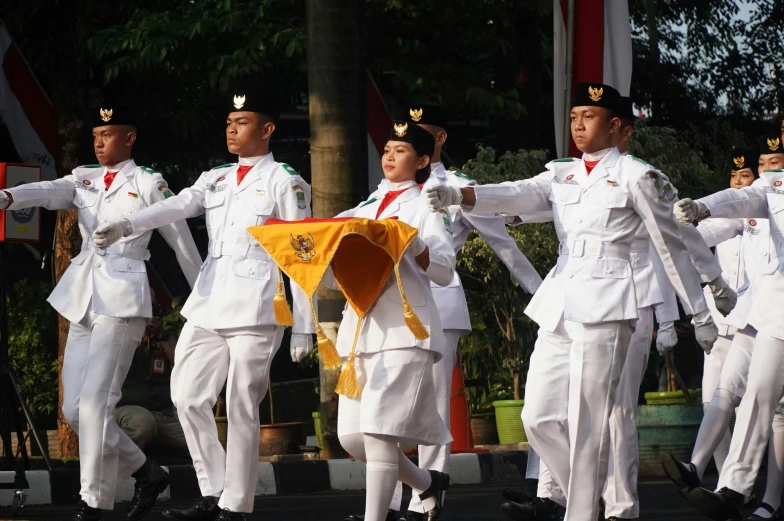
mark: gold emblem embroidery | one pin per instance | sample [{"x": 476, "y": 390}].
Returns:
[
  {"x": 239, "y": 102},
  {"x": 106, "y": 115},
  {"x": 400, "y": 130},
  {"x": 773, "y": 144},
  {"x": 595, "y": 94},
  {"x": 305, "y": 247},
  {"x": 740, "y": 162},
  {"x": 416, "y": 114}
]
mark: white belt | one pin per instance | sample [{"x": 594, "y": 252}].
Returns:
[
  {"x": 593, "y": 248},
  {"x": 122, "y": 250},
  {"x": 641, "y": 246},
  {"x": 228, "y": 249}
]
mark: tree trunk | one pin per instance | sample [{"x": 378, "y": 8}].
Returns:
[
  {"x": 517, "y": 393},
  {"x": 338, "y": 147},
  {"x": 654, "y": 57},
  {"x": 68, "y": 242}
]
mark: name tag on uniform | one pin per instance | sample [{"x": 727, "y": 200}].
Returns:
[
  {"x": 750, "y": 227},
  {"x": 771, "y": 190},
  {"x": 82, "y": 186},
  {"x": 216, "y": 188},
  {"x": 567, "y": 181}
]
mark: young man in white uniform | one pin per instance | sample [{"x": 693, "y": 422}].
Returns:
[
  {"x": 231, "y": 329},
  {"x": 106, "y": 297},
  {"x": 586, "y": 306},
  {"x": 450, "y": 299},
  {"x": 763, "y": 199}
]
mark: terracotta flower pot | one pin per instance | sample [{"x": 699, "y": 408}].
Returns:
[
  {"x": 281, "y": 438},
  {"x": 483, "y": 429}
]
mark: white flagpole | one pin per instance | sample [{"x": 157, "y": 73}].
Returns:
[{"x": 569, "y": 78}]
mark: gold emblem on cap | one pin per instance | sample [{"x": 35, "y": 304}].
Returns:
[
  {"x": 106, "y": 115},
  {"x": 773, "y": 144},
  {"x": 416, "y": 114},
  {"x": 595, "y": 94},
  {"x": 740, "y": 162},
  {"x": 239, "y": 102},
  {"x": 400, "y": 130}
]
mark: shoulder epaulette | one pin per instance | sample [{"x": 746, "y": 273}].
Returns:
[
  {"x": 89, "y": 166},
  {"x": 459, "y": 173},
  {"x": 222, "y": 166},
  {"x": 371, "y": 200},
  {"x": 288, "y": 168},
  {"x": 148, "y": 170},
  {"x": 642, "y": 161},
  {"x": 564, "y": 160},
  {"x": 775, "y": 170}
]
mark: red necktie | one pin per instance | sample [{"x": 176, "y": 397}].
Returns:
[
  {"x": 589, "y": 165},
  {"x": 108, "y": 178},
  {"x": 387, "y": 200},
  {"x": 242, "y": 171}
]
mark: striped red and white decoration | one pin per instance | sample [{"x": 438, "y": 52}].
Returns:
[
  {"x": 379, "y": 121},
  {"x": 25, "y": 109},
  {"x": 602, "y": 52}
]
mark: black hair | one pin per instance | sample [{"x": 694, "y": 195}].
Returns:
[{"x": 422, "y": 175}]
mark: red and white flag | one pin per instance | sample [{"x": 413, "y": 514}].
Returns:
[
  {"x": 379, "y": 122},
  {"x": 602, "y": 52},
  {"x": 25, "y": 109}
]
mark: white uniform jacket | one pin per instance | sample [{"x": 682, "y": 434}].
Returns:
[
  {"x": 236, "y": 286},
  {"x": 111, "y": 282},
  {"x": 597, "y": 217},
  {"x": 452, "y": 305},
  {"x": 763, "y": 199},
  {"x": 384, "y": 327},
  {"x": 743, "y": 249}
]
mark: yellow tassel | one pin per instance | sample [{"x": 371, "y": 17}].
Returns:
[
  {"x": 283, "y": 316},
  {"x": 348, "y": 385},
  {"x": 412, "y": 320},
  {"x": 327, "y": 351}
]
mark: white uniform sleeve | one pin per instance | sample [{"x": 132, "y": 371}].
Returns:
[
  {"x": 434, "y": 232},
  {"x": 177, "y": 235},
  {"x": 53, "y": 195},
  {"x": 291, "y": 208},
  {"x": 704, "y": 261},
  {"x": 188, "y": 203},
  {"x": 745, "y": 203},
  {"x": 656, "y": 214},
  {"x": 493, "y": 230},
  {"x": 526, "y": 198},
  {"x": 717, "y": 230},
  {"x": 667, "y": 310}
]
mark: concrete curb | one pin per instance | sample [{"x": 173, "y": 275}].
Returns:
[{"x": 61, "y": 487}]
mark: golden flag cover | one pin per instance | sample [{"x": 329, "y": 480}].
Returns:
[{"x": 362, "y": 252}]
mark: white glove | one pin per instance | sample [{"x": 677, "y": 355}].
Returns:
[
  {"x": 666, "y": 338},
  {"x": 723, "y": 296},
  {"x": 689, "y": 211},
  {"x": 300, "y": 346},
  {"x": 417, "y": 246},
  {"x": 4, "y": 201},
  {"x": 705, "y": 330},
  {"x": 441, "y": 196},
  {"x": 107, "y": 234}
]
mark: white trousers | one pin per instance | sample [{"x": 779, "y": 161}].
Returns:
[
  {"x": 711, "y": 371},
  {"x": 98, "y": 354},
  {"x": 436, "y": 457},
  {"x": 584, "y": 362},
  {"x": 203, "y": 361},
  {"x": 620, "y": 490},
  {"x": 755, "y": 415}
]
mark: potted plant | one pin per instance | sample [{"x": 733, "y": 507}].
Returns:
[
  {"x": 280, "y": 438},
  {"x": 500, "y": 345}
]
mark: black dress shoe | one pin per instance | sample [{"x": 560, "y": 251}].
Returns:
[
  {"x": 413, "y": 516},
  {"x": 228, "y": 515},
  {"x": 538, "y": 509},
  {"x": 203, "y": 509},
  {"x": 151, "y": 480},
  {"x": 719, "y": 506},
  {"x": 684, "y": 475},
  {"x": 524, "y": 495},
  {"x": 87, "y": 513},
  {"x": 439, "y": 482},
  {"x": 775, "y": 515}
]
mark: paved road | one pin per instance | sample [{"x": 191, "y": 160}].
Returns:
[{"x": 660, "y": 501}]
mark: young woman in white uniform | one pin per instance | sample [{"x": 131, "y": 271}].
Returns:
[{"x": 394, "y": 369}]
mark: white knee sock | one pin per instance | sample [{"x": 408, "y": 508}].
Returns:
[
  {"x": 712, "y": 429},
  {"x": 775, "y": 467}
]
